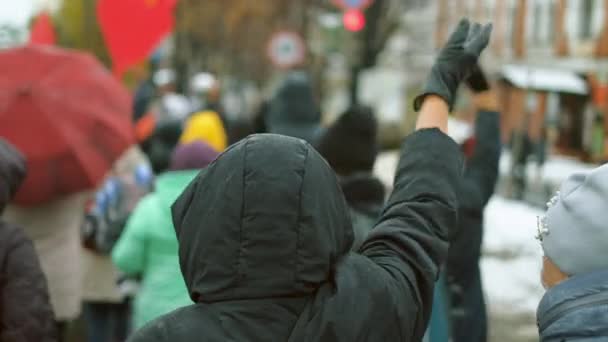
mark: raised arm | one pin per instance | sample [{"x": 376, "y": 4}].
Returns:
[
  {"x": 411, "y": 239},
  {"x": 481, "y": 171}
]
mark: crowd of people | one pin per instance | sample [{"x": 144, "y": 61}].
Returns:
[{"x": 205, "y": 232}]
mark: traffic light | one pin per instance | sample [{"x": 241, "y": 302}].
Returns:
[{"x": 353, "y": 20}]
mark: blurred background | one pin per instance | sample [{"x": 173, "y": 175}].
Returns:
[{"x": 548, "y": 59}]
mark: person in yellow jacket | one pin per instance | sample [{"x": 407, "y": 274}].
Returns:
[{"x": 205, "y": 126}]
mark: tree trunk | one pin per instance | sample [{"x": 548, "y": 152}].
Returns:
[
  {"x": 354, "y": 84},
  {"x": 561, "y": 36},
  {"x": 180, "y": 62},
  {"x": 380, "y": 25}
]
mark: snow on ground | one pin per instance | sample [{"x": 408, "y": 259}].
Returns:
[
  {"x": 555, "y": 170},
  {"x": 512, "y": 256},
  {"x": 385, "y": 167}
]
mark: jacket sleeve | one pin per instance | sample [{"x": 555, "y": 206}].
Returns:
[
  {"x": 410, "y": 242},
  {"x": 129, "y": 253},
  {"x": 481, "y": 171},
  {"x": 26, "y": 313}
]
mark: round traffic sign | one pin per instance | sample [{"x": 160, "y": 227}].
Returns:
[{"x": 286, "y": 49}]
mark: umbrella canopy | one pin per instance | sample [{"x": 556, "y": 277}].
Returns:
[{"x": 67, "y": 114}]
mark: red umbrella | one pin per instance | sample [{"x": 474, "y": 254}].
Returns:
[{"x": 67, "y": 114}]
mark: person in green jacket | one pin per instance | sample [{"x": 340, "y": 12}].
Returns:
[{"x": 148, "y": 246}]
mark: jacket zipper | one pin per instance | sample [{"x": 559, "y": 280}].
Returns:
[{"x": 565, "y": 308}]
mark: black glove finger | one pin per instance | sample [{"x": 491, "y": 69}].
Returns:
[
  {"x": 474, "y": 31},
  {"x": 459, "y": 36},
  {"x": 476, "y": 44}
]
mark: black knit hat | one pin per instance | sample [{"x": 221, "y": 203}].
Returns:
[
  {"x": 160, "y": 145},
  {"x": 350, "y": 144}
]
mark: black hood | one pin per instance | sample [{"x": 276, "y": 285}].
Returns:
[
  {"x": 266, "y": 219},
  {"x": 293, "y": 110},
  {"x": 12, "y": 172}
]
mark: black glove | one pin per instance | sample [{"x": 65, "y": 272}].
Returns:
[
  {"x": 455, "y": 61},
  {"x": 477, "y": 81}
]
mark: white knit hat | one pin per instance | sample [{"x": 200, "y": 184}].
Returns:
[{"x": 574, "y": 233}]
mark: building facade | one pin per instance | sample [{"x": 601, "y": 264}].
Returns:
[{"x": 552, "y": 59}]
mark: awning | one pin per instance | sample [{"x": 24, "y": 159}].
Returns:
[{"x": 545, "y": 79}]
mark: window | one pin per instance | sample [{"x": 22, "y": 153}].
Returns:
[
  {"x": 586, "y": 18},
  {"x": 551, "y": 21},
  {"x": 536, "y": 23}
]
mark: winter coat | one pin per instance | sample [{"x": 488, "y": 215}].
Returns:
[
  {"x": 148, "y": 248},
  {"x": 54, "y": 228},
  {"x": 364, "y": 194},
  {"x": 25, "y": 310},
  {"x": 100, "y": 282},
  {"x": 269, "y": 259},
  {"x": 293, "y": 111},
  {"x": 474, "y": 191},
  {"x": 575, "y": 310}
]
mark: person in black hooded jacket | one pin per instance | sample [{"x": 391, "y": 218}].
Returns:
[
  {"x": 25, "y": 310},
  {"x": 350, "y": 147},
  {"x": 293, "y": 110},
  {"x": 265, "y": 235},
  {"x": 469, "y": 318}
]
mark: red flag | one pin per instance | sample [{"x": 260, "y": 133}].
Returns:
[
  {"x": 133, "y": 28},
  {"x": 42, "y": 30}
]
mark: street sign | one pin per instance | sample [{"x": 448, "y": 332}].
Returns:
[
  {"x": 286, "y": 49},
  {"x": 353, "y": 4}
]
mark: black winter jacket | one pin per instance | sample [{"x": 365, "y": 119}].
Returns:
[
  {"x": 474, "y": 192},
  {"x": 265, "y": 235},
  {"x": 365, "y": 195},
  {"x": 26, "y": 314}
]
